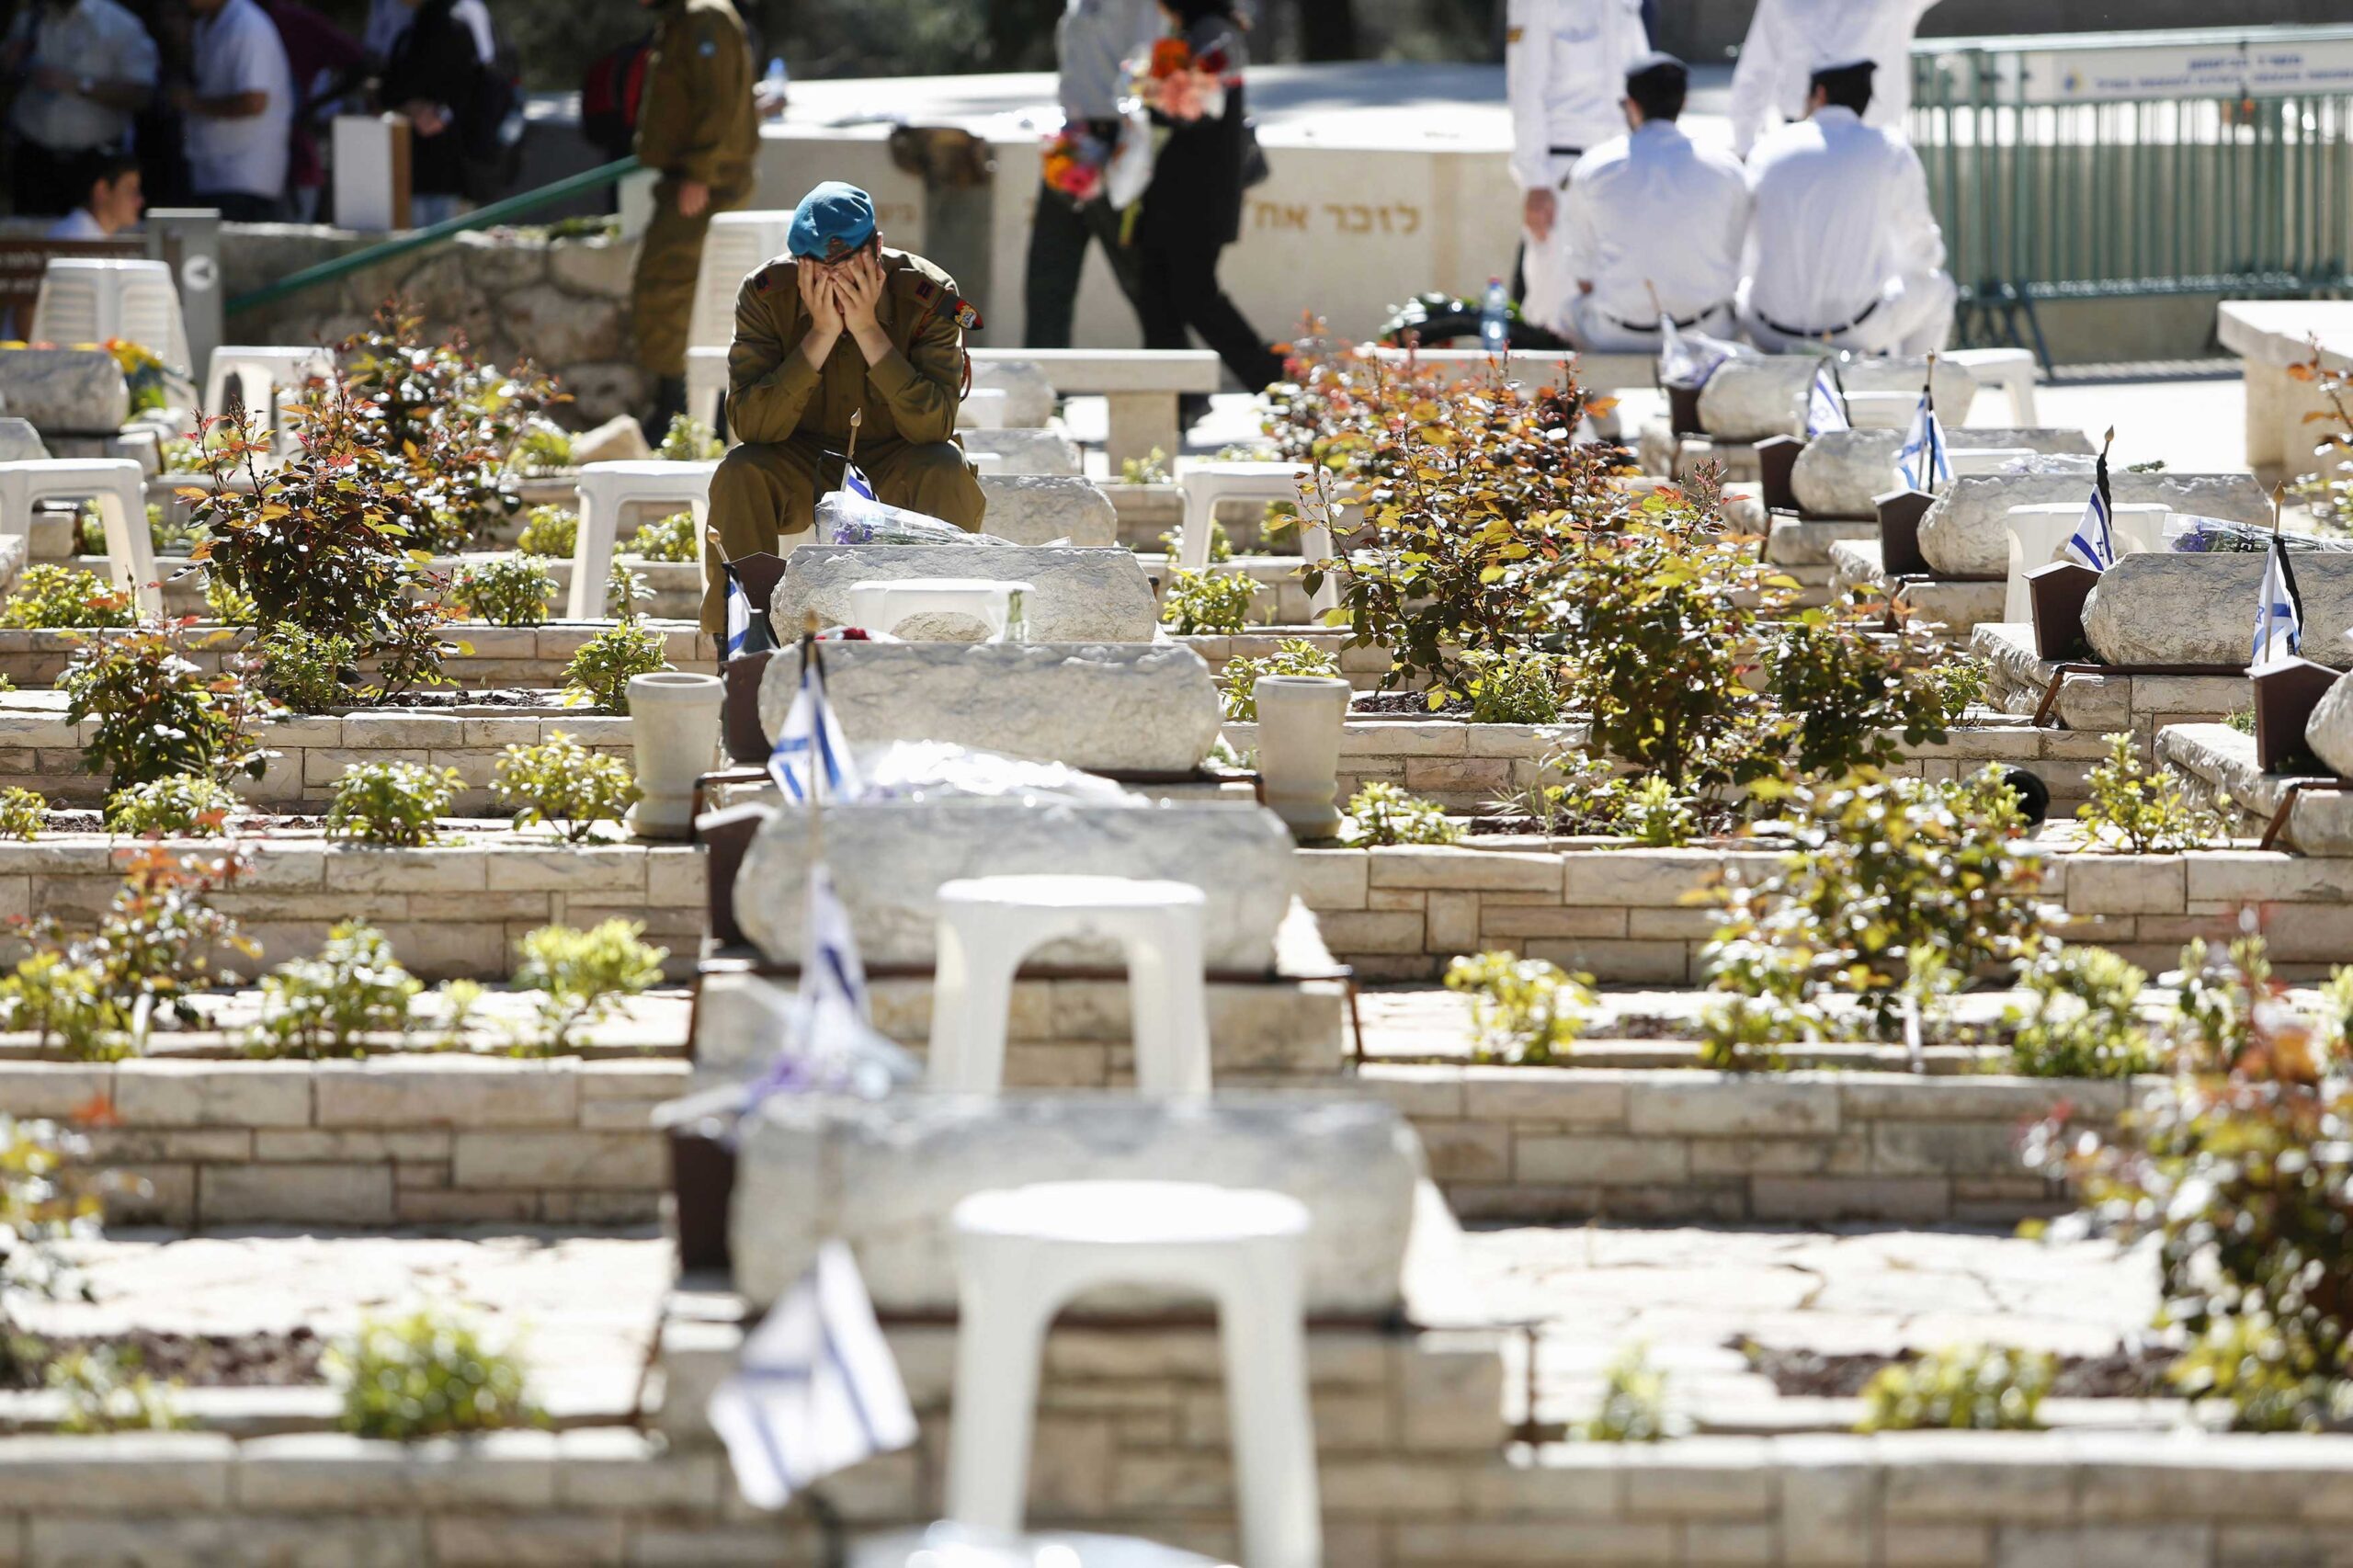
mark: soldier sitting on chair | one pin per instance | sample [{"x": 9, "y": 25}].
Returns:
[{"x": 839, "y": 326}]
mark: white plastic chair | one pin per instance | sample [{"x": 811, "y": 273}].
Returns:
[
  {"x": 606, "y": 491},
  {"x": 119, "y": 487},
  {"x": 2037, "y": 533},
  {"x": 1022, "y": 1254},
  {"x": 739, "y": 243},
  {"x": 1203, "y": 485},
  {"x": 92, "y": 299},
  {"x": 1880, "y": 410},
  {"x": 267, "y": 379},
  {"x": 707, "y": 384},
  {"x": 880, "y": 604},
  {"x": 988, "y": 924},
  {"x": 2013, "y": 369}
]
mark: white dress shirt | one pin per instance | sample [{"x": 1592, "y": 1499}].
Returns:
[
  {"x": 1651, "y": 209},
  {"x": 77, "y": 225},
  {"x": 1564, "y": 72},
  {"x": 1789, "y": 40},
  {"x": 90, "y": 41},
  {"x": 1093, "y": 42},
  {"x": 238, "y": 52},
  {"x": 1839, "y": 217}
]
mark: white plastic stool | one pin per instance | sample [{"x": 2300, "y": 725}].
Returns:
[
  {"x": 1023, "y": 1253},
  {"x": 1203, "y": 485},
  {"x": 738, "y": 245},
  {"x": 707, "y": 384},
  {"x": 605, "y": 490},
  {"x": 267, "y": 379},
  {"x": 2013, "y": 369},
  {"x": 880, "y": 604},
  {"x": 988, "y": 924},
  {"x": 955, "y": 1546},
  {"x": 2039, "y": 533},
  {"x": 119, "y": 487},
  {"x": 92, "y": 299}
]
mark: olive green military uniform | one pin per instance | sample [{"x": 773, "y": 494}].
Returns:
[
  {"x": 696, "y": 122},
  {"x": 788, "y": 415}
]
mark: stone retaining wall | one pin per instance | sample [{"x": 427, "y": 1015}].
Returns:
[
  {"x": 493, "y": 656},
  {"x": 2101, "y": 703},
  {"x": 452, "y": 911},
  {"x": 1400, "y": 913},
  {"x": 1554, "y": 1143}
]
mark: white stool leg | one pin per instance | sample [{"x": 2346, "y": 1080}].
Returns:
[
  {"x": 1266, "y": 1397},
  {"x": 592, "y": 554},
  {"x": 1168, "y": 1005},
  {"x": 972, "y": 997},
  {"x": 1000, "y": 1340},
  {"x": 1193, "y": 531},
  {"x": 130, "y": 549},
  {"x": 2022, "y": 408},
  {"x": 16, "y": 504},
  {"x": 1316, "y": 544}
]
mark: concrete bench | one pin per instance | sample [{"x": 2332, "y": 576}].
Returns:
[
  {"x": 2269, "y": 335},
  {"x": 1142, "y": 385}
]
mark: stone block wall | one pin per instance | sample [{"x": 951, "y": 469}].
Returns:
[
  {"x": 1400, "y": 913},
  {"x": 2099, "y": 704},
  {"x": 452, "y": 911},
  {"x": 492, "y": 656},
  {"x": 1557, "y": 1144},
  {"x": 386, "y": 1139}
]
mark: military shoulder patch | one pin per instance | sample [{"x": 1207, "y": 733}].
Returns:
[
  {"x": 967, "y": 317},
  {"x": 764, "y": 279}
]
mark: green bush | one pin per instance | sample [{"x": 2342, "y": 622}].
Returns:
[
  {"x": 23, "y": 813},
  {"x": 392, "y": 803},
  {"x": 1292, "y": 656},
  {"x": 1205, "y": 603},
  {"x": 1954, "y": 685},
  {"x": 51, "y": 595},
  {"x": 158, "y": 715},
  {"x": 1522, "y": 1010},
  {"x": 105, "y": 1391},
  {"x": 1382, "y": 814},
  {"x": 688, "y": 439},
  {"x": 1150, "y": 469},
  {"x": 309, "y": 672},
  {"x": 600, "y": 672},
  {"x": 328, "y": 1004},
  {"x": 665, "y": 538},
  {"x": 509, "y": 591},
  {"x": 585, "y": 975},
  {"x": 566, "y": 785},
  {"x": 1521, "y": 687},
  {"x": 2147, "y": 814},
  {"x": 187, "y": 805},
  {"x": 64, "y": 1001},
  {"x": 625, "y": 590},
  {"x": 2083, "y": 1022},
  {"x": 1972, "y": 1388},
  {"x": 551, "y": 531},
  {"x": 1220, "y": 544},
  {"x": 544, "y": 447},
  {"x": 1633, "y": 1404},
  {"x": 225, "y": 604},
  {"x": 427, "y": 1374}
]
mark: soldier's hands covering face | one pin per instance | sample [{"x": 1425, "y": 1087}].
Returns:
[
  {"x": 860, "y": 280},
  {"x": 819, "y": 297}
]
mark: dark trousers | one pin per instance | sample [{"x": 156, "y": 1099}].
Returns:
[
  {"x": 1181, "y": 292},
  {"x": 45, "y": 180},
  {"x": 241, "y": 206},
  {"x": 1057, "y": 253}
]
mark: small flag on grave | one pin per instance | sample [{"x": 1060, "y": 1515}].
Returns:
[
  {"x": 2093, "y": 544},
  {"x": 812, "y": 759},
  {"x": 2280, "y": 615},
  {"x": 1924, "y": 462},
  {"x": 1826, "y": 404}
]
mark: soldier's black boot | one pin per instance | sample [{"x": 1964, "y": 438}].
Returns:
[{"x": 669, "y": 402}]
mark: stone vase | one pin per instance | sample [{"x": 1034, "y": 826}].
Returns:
[
  {"x": 674, "y": 736},
  {"x": 1300, "y": 718}
]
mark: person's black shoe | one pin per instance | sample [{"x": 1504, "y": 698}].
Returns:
[{"x": 669, "y": 402}]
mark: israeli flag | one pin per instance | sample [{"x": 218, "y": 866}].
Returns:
[
  {"x": 2279, "y": 616},
  {"x": 816, "y": 1390},
  {"x": 739, "y": 620},
  {"x": 2093, "y": 544},
  {"x": 853, "y": 480},
  {"x": 812, "y": 759},
  {"x": 1688, "y": 362},
  {"x": 1825, "y": 410},
  {"x": 1924, "y": 462},
  {"x": 831, "y": 971}
]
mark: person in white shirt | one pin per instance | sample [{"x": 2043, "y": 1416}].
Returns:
[
  {"x": 111, "y": 199},
  {"x": 1655, "y": 223},
  {"x": 1565, "y": 73},
  {"x": 240, "y": 111},
  {"x": 86, "y": 67},
  {"x": 1842, "y": 246},
  {"x": 1787, "y": 36}
]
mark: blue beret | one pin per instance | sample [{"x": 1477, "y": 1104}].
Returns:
[{"x": 830, "y": 222}]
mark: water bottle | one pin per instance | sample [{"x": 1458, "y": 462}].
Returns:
[
  {"x": 1494, "y": 318},
  {"x": 772, "y": 87}
]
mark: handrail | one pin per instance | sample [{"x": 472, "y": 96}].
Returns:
[{"x": 496, "y": 213}]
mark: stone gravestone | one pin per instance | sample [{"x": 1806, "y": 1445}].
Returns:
[
  {"x": 1030, "y": 395},
  {"x": 2329, "y": 731},
  {"x": 1106, "y": 707},
  {"x": 1755, "y": 396},
  {"x": 1966, "y": 531},
  {"x": 885, "y": 1175},
  {"x": 888, "y": 858},
  {"x": 1077, "y": 594},
  {"x": 1841, "y": 472},
  {"x": 1042, "y": 508},
  {"x": 65, "y": 391},
  {"x": 2200, "y": 608},
  {"x": 1027, "y": 452}
]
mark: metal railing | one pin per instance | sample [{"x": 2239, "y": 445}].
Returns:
[
  {"x": 2076, "y": 166},
  {"x": 496, "y": 213}
]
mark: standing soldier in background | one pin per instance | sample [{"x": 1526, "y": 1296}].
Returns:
[
  {"x": 1564, "y": 71},
  {"x": 1786, "y": 38},
  {"x": 1094, "y": 39},
  {"x": 697, "y": 126}
]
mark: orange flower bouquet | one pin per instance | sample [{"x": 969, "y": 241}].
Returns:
[
  {"x": 1075, "y": 162},
  {"x": 1175, "y": 86}
]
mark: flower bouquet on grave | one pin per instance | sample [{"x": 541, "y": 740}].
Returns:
[{"x": 1075, "y": 161}]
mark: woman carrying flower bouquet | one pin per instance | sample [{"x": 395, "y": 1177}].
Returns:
[
  {"x": 1093, "y": 41},
  {"x": 1192, "y": 209}
]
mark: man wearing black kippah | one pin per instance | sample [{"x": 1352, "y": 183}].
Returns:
[{"x": 1788, "y": 38}]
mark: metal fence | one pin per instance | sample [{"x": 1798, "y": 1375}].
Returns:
[{"x": 2114, "y": 166}]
